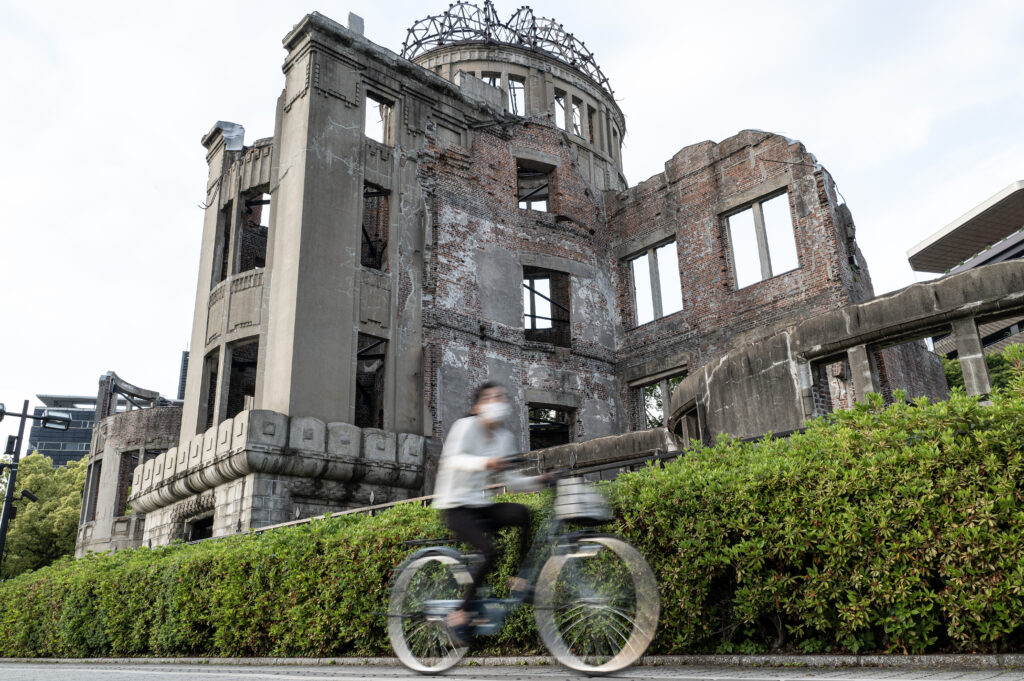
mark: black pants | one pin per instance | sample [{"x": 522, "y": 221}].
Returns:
[{"x": 471, "y": 524}]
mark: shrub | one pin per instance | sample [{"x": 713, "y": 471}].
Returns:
[{"x": 892, "y": 529}]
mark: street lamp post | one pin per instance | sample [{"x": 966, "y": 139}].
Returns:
[{"x": 51, "y": 420}]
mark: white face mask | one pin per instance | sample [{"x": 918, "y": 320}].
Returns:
[{"x": 495, "y": 412}]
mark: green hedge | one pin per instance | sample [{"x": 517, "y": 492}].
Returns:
[{"x": 892, "y": 529}]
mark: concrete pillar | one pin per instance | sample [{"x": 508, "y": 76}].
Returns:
[
  {"x": 972, "y": 358},
  {"x": 221, "y": 152},
  {"x": 861, "y": 372},
  {"x": 315, "y": 285},
  {"x": 652, "y": 263},
  {"x": 666, "y": 401}
]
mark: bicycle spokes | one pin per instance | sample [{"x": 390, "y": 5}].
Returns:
[{"x": 597, "y": 608}]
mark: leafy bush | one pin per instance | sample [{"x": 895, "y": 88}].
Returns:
[{"x": 894, "y": 529}]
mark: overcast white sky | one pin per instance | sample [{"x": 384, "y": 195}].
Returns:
[{"x": 914, "y": 107}]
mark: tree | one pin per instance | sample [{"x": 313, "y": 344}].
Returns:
[
  {"x": 47, "y": 529},
  {"x": 654, "y": 402}
]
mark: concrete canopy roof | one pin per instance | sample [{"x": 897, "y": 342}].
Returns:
[{"x": 987, "y": 223}]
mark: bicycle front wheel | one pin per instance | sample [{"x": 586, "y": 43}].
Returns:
[
  {"x": 425, "y": 591},
  {"x": 597, "y": 606}
]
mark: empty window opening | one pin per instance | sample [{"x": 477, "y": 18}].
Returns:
[
  {"x": 370, "y": 359},
  {"x": 657, "y": 288},
  {"x": 94, "y": 490},
  {"x": 550, "y": 426},
  {"x": 533, "y": 185},
  {"x": 762, "y": 240},
  {"x": 832, "y": 388},
  {"x": 689, "y": 427},
  {"x": 208, "y": 404},
  {"x": 200, "y": 528},
  {"x": 517, "y": 95},
  {"x": 491, "y": 78},
  {"x": 242, "y": 379},
  {"x": 222, "y": 258},
  {"x": 126, "y": 468},
  {"x": 577, "y": 118},
  {"x": 546, "y": 300},
  {"x": 591, "y": 125},
  {"x": 378, "y": 119},
  {"x": 255, "y": 228},
  {"x": 376, "y": 216},
  {"x": 656, "y": 398},
  {"x": 560, "y": 109}
]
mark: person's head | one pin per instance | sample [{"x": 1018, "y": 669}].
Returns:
[{"x": 490, "y": 403}]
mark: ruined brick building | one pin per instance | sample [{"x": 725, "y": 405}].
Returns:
[{"x": 421, "y": 222}]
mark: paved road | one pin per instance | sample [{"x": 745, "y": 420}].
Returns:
[{"x": 223, "y": 672}]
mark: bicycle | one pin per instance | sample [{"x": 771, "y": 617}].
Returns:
[{"x": 595, "y": 598}]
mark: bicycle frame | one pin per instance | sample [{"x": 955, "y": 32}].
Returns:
[{"x": 493, "y": 611}]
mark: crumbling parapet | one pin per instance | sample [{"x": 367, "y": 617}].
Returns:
[{"x": 121, "y": 443}]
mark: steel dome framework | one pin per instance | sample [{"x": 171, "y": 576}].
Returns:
[{"x": 465, "y": 22}]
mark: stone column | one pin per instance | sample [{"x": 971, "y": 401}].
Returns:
[
  {"x": 861, "y": 372},
  {"x": 314, "y": 287},
  {"x": 972, "y": 358}
]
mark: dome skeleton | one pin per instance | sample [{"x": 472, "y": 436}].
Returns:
[{"x": 465, "y": 22}]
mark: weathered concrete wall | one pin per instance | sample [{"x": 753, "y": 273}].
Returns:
[
  {"x": 120, "y": 443},
  {"x": 775, "y": 384}
]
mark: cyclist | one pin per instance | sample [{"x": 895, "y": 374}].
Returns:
[{"x": 477, "y": 448}]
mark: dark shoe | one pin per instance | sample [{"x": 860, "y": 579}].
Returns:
[
  {"x": 461, "y": 634},
  {"x": 524, "y": 592}
]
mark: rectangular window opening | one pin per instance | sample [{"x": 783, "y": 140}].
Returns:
[
  {"x": 657, "y": 287},
  {"x": 550, "y": 425},
  {"x": 546, "y": 301},
  {"x": 94, "y": 490},
  {"x": 379, "y": 115},
  {"x": 668, "y": 275},
  {"x": 533, "y": 185},
  {"x": 745, "y": 250},
  {"x": 200, "y": 528},
  {"x": 517, "y": 95},
  {"x": 577, "y": 118},
  {"x": 560, "y": 109},
  {"x": 376, "y": 218},
  {"x": 491, "y": 78},
  {"x": 656, "y": 398},
  {"x": 643, "y": 300},
  {"x": 208, "y": 404},
  {"x": 370, "y": 361},
  {"x": 591, "y": 126},
  {"x": 222, "y": 262},
  {"x": 126, "y": 468},
  {"x": 762, "y": 240},
  {"x": 255, "y": 229},
  {"x": 242, "y": 379}
]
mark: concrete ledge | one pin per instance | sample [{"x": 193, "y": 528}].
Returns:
[{"x": 818, "y": 661}]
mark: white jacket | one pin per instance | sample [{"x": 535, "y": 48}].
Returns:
[{"x": 462, "y": 472}]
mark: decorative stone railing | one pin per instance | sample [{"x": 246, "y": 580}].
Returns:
[{"x": 261, "y": 441}]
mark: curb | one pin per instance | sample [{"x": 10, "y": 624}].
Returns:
[{"x": 820, "y": 661}]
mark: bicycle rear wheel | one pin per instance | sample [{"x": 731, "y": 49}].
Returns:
[
  {"x": 425, "y": 591},
  {"x": 597, "y": 607}
]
